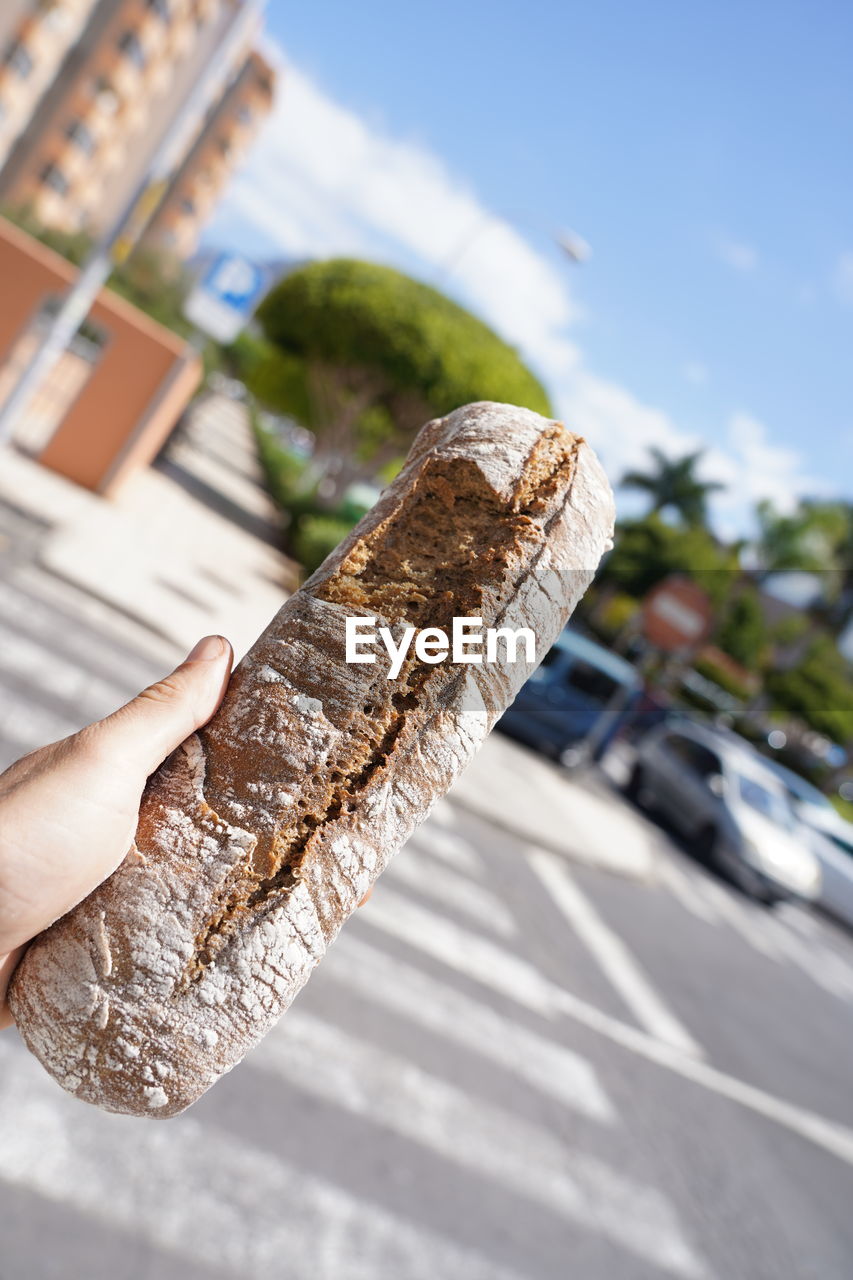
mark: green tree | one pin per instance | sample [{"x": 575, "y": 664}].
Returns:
[
  {"x": 673, "y": 485},
  {"x": 818, "y": 689},
  {"x": 362, "y": 355},
  {"x": 157, "y": 283},
  {"x": 742, "y": 633},
  {"x": 790, "y": 540},
  {"x": 649, "y": 549},
  {"x": 816, "y": 537}
]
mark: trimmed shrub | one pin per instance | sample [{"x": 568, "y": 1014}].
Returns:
[{"x": 315, "y": 536}]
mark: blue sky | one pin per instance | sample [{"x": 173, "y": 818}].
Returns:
[{"x": 702, "y": 149}]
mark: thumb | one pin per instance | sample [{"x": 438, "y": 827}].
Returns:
[{"x": 147, "y": 729}]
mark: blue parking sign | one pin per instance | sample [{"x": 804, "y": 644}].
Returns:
[
  {"x": 236, "y": 281},
  {"x": 225, "y": 297}
]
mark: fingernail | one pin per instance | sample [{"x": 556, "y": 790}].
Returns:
[{"x": 207, "y": 649}]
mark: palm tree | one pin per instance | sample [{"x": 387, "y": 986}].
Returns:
[
  {"x": 817, "y": 538},
  {"x": 673, "y": 484}
]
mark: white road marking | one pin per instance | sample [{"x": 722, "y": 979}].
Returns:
[
  {"x": 452, "y": 849},
  {"x": 685, "y": 889},
  {"x": 412, "y": 868},
  {"x": 34, "y": 594},
  {"x": 832, "y": 1137},
  {"x": 443, "y": 813},
  {"x": 26, "y": 659},
  {"x": 610, "y": 952},
  {"x": 475, "y": 957},
  {"x": 199, "y": 1193},
  {"x": 28, "y": 725},
  {"x": 423, "y": 999},
  {"x": 490, "y": 965},
  {"x": 486, "y": 1140}
]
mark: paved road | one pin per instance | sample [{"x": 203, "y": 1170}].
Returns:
[{"x": 508, "y": 1066}]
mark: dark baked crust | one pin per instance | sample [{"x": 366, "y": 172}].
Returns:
[{"x": 259, "y": 836}]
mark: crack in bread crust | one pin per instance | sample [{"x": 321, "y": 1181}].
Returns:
[{"x": 428, "y": 562}]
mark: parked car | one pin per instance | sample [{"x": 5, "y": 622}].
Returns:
[
  {"x": 721, "y": 794},
  {"x": 574, "y": 702},
  {"x": 831, "y": 841}
]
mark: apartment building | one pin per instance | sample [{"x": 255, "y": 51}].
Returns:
[{"x": 90, "y": 88}]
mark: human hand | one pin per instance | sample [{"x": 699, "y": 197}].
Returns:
[{"x": 68, "y": 811}]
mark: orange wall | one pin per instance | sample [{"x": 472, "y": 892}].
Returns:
[{"x": 121, "y": 417}]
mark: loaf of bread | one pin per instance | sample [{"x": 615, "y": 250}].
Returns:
[{"x": 262, "y": 832}]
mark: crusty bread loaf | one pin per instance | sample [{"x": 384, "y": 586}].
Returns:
[{"x": 262, "y": 832}]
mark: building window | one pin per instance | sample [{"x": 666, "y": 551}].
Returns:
[
  {"x": 244, "y": 114},
  {"x": 160, "y": 7},
  {"x": 53, "y": 177},
  {"x": 80, "y": 134},
  {"x": 18, "y": 58},
  {"x": 56, "y": 17},
  {"x": 225, "y": 146},
  {"x": 132, "y": 49},
  {"x": 187, "y": 206},
  {"x": 105, "y": 96}
]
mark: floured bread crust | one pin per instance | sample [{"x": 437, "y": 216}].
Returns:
[{"x": 261, "y": 833}]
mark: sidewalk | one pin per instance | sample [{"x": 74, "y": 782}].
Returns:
[{"x": 187, "y": 547}]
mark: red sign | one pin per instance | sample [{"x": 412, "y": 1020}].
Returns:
[{"x": 677, "y": 615}]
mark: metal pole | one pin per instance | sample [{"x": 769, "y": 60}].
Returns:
[{"x": 129, "y": 225}]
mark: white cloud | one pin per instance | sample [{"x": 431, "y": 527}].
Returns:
[
  {"x": 322, "y": 180},
  {"x": 754, "y": 468},
  {"x": 843, "y": 277},
  {"x": 736, "y": 254}
]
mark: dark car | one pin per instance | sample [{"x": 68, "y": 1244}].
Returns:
[{"x": 574, "y": 702}]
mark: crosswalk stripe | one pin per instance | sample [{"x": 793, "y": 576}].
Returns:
[
  {"x": 34, "y": 596},
  {"x": 411, "y": 868},
  {"x": 475, "y": 957},
  {"x": 480, "y": 1137},
  {"x": 450, "y": 848},
  {"x": 442, "y": 1009},
  {"x": 620, "y": 966},
  {"x": 29, "y": 726},
  {"x": 488, "y": 964},
  {"x": 443, "y": 814},
  {"x": 24, "y": 658},
  {"x": 197, "y": 1192}
]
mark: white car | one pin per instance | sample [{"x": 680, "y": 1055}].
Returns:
[
  {"x": 832, "y": 842},
  {"x": 721, "y": 794}
]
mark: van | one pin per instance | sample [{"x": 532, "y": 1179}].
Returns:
[{"x": 575, "y": 702}]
